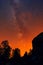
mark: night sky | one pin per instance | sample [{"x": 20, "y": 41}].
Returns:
[{"x": 20, "y": 22}]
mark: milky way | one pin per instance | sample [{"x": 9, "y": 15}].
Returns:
[{"x": 20, "y": 21}]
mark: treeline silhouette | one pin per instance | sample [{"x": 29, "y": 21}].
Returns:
[{"x": 35, "y": 57}]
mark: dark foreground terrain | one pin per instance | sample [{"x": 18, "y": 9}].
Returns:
[{"x": 35, "y": 57}]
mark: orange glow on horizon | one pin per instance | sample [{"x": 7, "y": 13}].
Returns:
[
  {"x": 23, "y": 44},
  {"x": 24, "y": 47},
  {"x": 21, "y": 36}
]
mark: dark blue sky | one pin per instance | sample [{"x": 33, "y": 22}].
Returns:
[{"x": 22, "y": 5}]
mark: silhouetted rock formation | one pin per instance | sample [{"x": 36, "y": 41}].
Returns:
[
  {"x": 37, "y": 51},
  {"x": 37, "y": 42},
  {"x": 35, "y": 57}
]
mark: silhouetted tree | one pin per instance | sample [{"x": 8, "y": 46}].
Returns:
[
  {"x": 1, "y": 52},
  {"x": 25, "y": 59},
  {"x": 16, "y": 57},
  {"x": 16, "y": 53},
  {"x": 6, "y": 54}
]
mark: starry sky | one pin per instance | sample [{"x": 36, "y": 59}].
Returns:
[{"x": 20, "y": 22}]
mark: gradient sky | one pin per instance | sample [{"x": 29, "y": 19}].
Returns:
[{"x": 20, "y": 22}]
